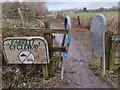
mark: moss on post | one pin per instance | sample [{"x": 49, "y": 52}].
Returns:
[
  {"x": 108, "y": 43},
  {"x": 45, "y": 71},
  {"x": 112, "y": 55}
]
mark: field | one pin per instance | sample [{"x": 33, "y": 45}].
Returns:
[{"x": 86, "y": 15}]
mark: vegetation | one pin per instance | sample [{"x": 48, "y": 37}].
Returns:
[
  {"x": 112, "y": 24},
  {"x": 29, "y": 9},
  {"x": 12, "y": 13},
  {"x": 89, "y": 14},
  {"x": 12, "y": 77}
]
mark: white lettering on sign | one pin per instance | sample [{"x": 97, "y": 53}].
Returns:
[{"x": 26, "y": 50}]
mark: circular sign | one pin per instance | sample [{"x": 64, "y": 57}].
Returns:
[{"x": 26, "y": 57}]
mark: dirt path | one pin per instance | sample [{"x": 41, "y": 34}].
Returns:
[
  {"x": 77, "y": 68},
  {"x": 77, "y": 72}
]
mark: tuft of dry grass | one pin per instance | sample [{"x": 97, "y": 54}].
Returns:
[{"x": 112, "y": 24}]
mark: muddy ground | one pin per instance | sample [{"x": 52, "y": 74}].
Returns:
[
  {"x": 78, "y": 73},
  {"x": 77, "y": 67}
]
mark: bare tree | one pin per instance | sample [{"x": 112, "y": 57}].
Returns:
[{"x": 28, "y": 9}]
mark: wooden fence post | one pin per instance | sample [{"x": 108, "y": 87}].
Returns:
[
  {"x": 45, "y": 67},
  {"x": 45, "y": 71},
  {"x": 108, "y": 43},
  {"x": 112, "y": 55}
]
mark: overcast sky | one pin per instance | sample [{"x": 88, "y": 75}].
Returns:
[
  {"x": 70, "y": 5},
  {"x": 61, "y": 0}
]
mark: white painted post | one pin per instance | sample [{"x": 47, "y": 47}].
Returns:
[
  {"x": 68, "y": 40},
  {"x": 98, "y": 29},
  {"x": 104, "y": 63}
]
